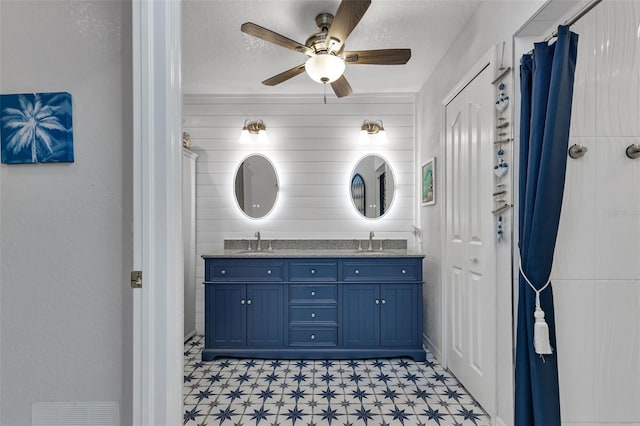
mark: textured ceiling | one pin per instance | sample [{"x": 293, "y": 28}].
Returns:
[{"x": 219, "y": 59}]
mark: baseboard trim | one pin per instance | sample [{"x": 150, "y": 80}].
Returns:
[
  {"x": 431, "y": 347},
  {"x": 189, "y": 336}
]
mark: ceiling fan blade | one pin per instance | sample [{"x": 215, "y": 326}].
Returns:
[
  {"x": 378, "y": 57},
  {"x": 341, "y": 87},
  {"x": 284, "y": 76},
  {"x": 347, "y": 17},
  {"x": 273, "y": 37}
]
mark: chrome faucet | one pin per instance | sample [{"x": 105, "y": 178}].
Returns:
[
  {"x": 370, "y": 248},
  {"x": 258, "y": 246}
]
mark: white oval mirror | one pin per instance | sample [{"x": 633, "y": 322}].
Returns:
[
  {"x": 372, "y": 186},
  {"x": 256, "y": 186}
]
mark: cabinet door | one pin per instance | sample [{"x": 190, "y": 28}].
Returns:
[
  {"x": 265, "y": 315},
  {"x": 399, "y": 315},
  {"x": 225, "y": 322},
  {"x": 360, "y": 315}
]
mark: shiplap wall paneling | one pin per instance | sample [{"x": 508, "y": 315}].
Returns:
[{"x": 314, "y": 148}]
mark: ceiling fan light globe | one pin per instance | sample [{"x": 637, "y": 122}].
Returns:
[{"x": 324, "y": 68}]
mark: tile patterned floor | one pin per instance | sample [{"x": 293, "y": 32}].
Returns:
[{"x": 387, "y": 392}]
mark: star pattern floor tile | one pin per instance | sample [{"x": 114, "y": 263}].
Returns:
[{"x": 372, "y": 392}]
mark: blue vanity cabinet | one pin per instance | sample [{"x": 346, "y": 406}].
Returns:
[
  {"x": 313, "y": 303},
  {"x": 225, "y": 319},
  {"x": 360, "y": 315},
  {"x": 382, "y": 303},
  {"x": 380, "y": 315},
  {"x": 265, "y": 315},
  {"x": 313, "y": 308},
  {"x": 244, "y": 306}
]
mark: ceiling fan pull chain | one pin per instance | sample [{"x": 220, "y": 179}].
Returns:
[{"x": 325, "y": 93}]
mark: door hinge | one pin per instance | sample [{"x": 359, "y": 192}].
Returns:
[{"x": 136, "y": 279}]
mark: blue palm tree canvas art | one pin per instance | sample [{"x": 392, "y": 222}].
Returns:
[{"x": 36, "y": 128}]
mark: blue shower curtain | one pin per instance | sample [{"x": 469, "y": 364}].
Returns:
[{"x": 547, "y": 89}]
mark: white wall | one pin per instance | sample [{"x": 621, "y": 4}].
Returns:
[
  {"x": 314, "y": 148},
  {"x": 596, "y": 274},
  {"x": 65, "y": 313},
  {"x": 493, "y": 23}
]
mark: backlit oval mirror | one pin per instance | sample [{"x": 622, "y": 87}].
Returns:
[
  {"x": 372, "y": 186},
  {"x": 256, "y": 186}
]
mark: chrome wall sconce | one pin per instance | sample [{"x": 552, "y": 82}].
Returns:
[
  {"x": 253, "y": 131},
  {"x": 373, "y": 131}
]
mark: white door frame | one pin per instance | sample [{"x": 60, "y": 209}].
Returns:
[
  {"x": 157, "y": 216},
  {"x": 486, "y": 60}
]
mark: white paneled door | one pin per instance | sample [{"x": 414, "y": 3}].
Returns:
[{"x": 470, "y": 268}]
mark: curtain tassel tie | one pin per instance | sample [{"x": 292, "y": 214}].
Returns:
[{"x": 541, "y": 342}]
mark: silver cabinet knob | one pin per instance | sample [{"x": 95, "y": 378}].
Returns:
[
  {"x": 404, "y": 272},
  {"x": 313, "y": 272},
  {"x": 384, "y": 301},
  {"x": 377, "y": 302},
  {"x": 242, "y": 302},
  {"x": 313, "y": 337},
  {"x": 357, "y": 271},
  {"x": 313, "y": 293},
  {"x": 269, "y": 272},
  {"x": 223, "y": 272},
  {"x": 313, "y": 314},
  {"x": 248, "y": 301}
]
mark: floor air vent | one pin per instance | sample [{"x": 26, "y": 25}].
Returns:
[{"x": 75, "y": 414}]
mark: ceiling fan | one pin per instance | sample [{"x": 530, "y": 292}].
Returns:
[{"x": 326, "y": 48}]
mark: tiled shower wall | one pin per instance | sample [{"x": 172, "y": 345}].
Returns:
[{"x": 596, "y": 274}]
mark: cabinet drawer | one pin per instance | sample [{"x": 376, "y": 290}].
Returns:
[
  {"x": 313, "y": 314},
  {"x": 313, "y": 271},
  {"x": 313, "y": 337},
  {"x": 313, "y": 293},
  {"x": 377, "y": 270},
  {"x": 245, "y": 270}
]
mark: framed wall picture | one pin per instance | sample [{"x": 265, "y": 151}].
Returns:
[
  {"x": 428, "y": 182},
  {"x": 36, "y": 128}
]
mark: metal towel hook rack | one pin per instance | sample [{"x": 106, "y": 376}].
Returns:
[
  {"x": 576, "y": 151},
  {"x": 633, "y": 151}
]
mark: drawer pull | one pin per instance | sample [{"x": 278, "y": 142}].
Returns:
[
  {"x": 384, "y": 301},
  {"x": 269, "y": 272},
  {"x": 313, "y": 314},
  {"x": 313, "y": 293},
  {"x": 223, "y": 272},
  {"x": 313, "y": 337},
  {"x": 313, "y": 272},
  {"x": 242, "y": 302},
  {"x": 404, "y": 272},
  {"x": 357, "y": 272},
  {"x": 377, "y": 302},
  {"x": 248, "y": 301}
]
